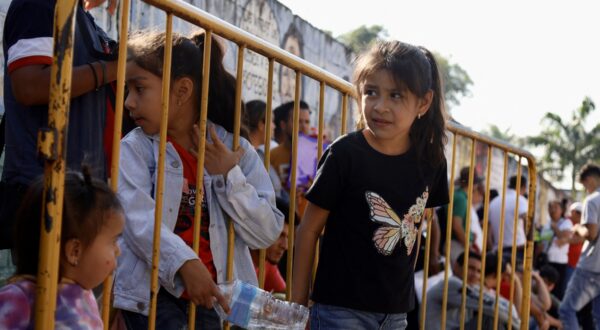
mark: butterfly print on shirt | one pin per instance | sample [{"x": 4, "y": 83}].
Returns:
[{"x": 393, "y": 229}]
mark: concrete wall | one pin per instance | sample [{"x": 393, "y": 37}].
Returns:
[
  {"x": 271, "y": 21},
  {"x": 275, "y": 23}
]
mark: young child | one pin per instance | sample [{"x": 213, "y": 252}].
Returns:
[
  {"x": 371, "y": 190},
  {"x": 235, "y": 185},
  {"x": 92, "y": 221}
]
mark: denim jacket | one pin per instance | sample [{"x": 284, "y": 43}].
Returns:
[{"x": 246, "y": 196}]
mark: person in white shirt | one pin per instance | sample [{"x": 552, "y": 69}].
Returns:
[
  {"x": 558, "y": 250},
  {"x": 495, "y": 214}
]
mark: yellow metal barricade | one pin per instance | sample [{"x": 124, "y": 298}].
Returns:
[
  {"x": 52, "y": 144},
  {"x": 459, "y": 132}
]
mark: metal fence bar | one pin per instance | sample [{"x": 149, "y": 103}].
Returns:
[
  {"x": 293, "y": 186},
  {"x": 116, "y": 142},
  {"x": 513, "y": 258},
  {"x": 344, "y": 113},
  {"x": 201, "y": 158},
  {"x": 500, "y": 242},
  {"x": 52, "y": 145},
  {"x": 528, "y": 262},
  {"x": 160, "y": 181},
  {"x": 320, "y": 137},
  {"x": 423, "y": 313},
  {"x": 267, "y": 161},
  {"x": 236, "y": 144},
  {"x": 486, "y": 205},
  {"x": 321, "y": 119},
  {"x": 465, "y": 266},
  {"x": 448, "y": 233}
]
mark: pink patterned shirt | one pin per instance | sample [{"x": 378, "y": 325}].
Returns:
[{"x": 76, "y": 307}]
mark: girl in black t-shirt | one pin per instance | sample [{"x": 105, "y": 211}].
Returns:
[{"x": 372, "y": 189}]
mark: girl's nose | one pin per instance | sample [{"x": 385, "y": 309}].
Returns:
[
  {"x": 380, "y": 105},
  {"x": 129, "y": 104}
]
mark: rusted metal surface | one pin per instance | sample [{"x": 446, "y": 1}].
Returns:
[{"x": 53, "y": 147}]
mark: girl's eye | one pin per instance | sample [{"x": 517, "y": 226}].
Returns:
[
  {"x": 369, "y": 92},
  {"x": 139, "y": 89},
  {"x": 397, "y": 96}
]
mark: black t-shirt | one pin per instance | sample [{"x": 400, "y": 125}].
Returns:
[{"x": 368, "y": 250}]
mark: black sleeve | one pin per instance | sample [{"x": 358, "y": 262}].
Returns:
[
  {"x": 328, "y": 185},
  {"x": 438, "y": 193}
]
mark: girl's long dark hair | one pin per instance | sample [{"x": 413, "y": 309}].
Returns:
[
  {"x": 146, "y": 49},
  {"x": 413, "y": 68}
]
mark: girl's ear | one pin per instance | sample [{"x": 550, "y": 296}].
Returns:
[
  {"x": 73, "y": 250},
  {"x": 184, "y": 90},
  {"x": 261, "y": 126},
  {"x": 425, "y": 102}
]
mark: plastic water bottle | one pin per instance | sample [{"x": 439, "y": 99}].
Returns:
[{"x": 253, "y": 308}]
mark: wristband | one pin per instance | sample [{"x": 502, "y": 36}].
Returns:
[
  {"x": 103, "y": 66},
  {"x": 95, "y": 75}
]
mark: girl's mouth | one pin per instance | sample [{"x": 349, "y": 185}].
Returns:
[
  {"x": 379, "y": 121},
  {"x": 138, "y": 120}
]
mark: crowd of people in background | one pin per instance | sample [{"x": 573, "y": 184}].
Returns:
[
  {"x": 366, "y": 201},
  {"x": 565, "y": 245}
]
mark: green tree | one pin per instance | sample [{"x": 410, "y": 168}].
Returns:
[
  {"x": 503, "y": 135},
  {"x": 456, "y": 81},
  {"x": 567, "y": 144},
  {"x": 361, "y": 38}
]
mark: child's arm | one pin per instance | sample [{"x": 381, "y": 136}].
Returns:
[
  {"x": 244, "y": 191},
  {"x": 134, "y": 190},
  {"x": 543, "y": 294},
  {"x": 308, "y": 233}
]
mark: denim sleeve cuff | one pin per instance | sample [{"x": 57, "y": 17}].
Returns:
[
  {"x": 236, "y": 177},
  {"x": 173, "y": 262}
]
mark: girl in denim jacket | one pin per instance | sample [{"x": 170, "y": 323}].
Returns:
[{"x": 235, "y": 184}]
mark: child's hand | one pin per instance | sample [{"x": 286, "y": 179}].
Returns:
[
  {"x": 218, "y": 158},
  {"x": 199, "y": 285}
]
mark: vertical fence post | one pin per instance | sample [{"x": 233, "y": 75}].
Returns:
[
  {"x": 500, "y": 241},
  {"x": 160, "y": 182},
  {"x": 465, "y": 266},
  {"x": 448, "y": 233},
  {"x": 529, "y": 248},
  {"x": 513, "y": 258},
  {"x": 116, "y": 144},
  {"x": 293, "y": 186},
  {"x": 486, "y": 205},
  {"x": 200, "y": 161},
  {"x": 52, "y": 145},
  {"x": 344, "y": 113},
  {"x": 267, "y": 161}
]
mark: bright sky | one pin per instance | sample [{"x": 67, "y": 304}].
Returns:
[{"x": 525, "y": 58}]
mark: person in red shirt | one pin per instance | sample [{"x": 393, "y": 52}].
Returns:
[
  {"x": 575, "y": 243},
  {"x": 274, "y": 281}
]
